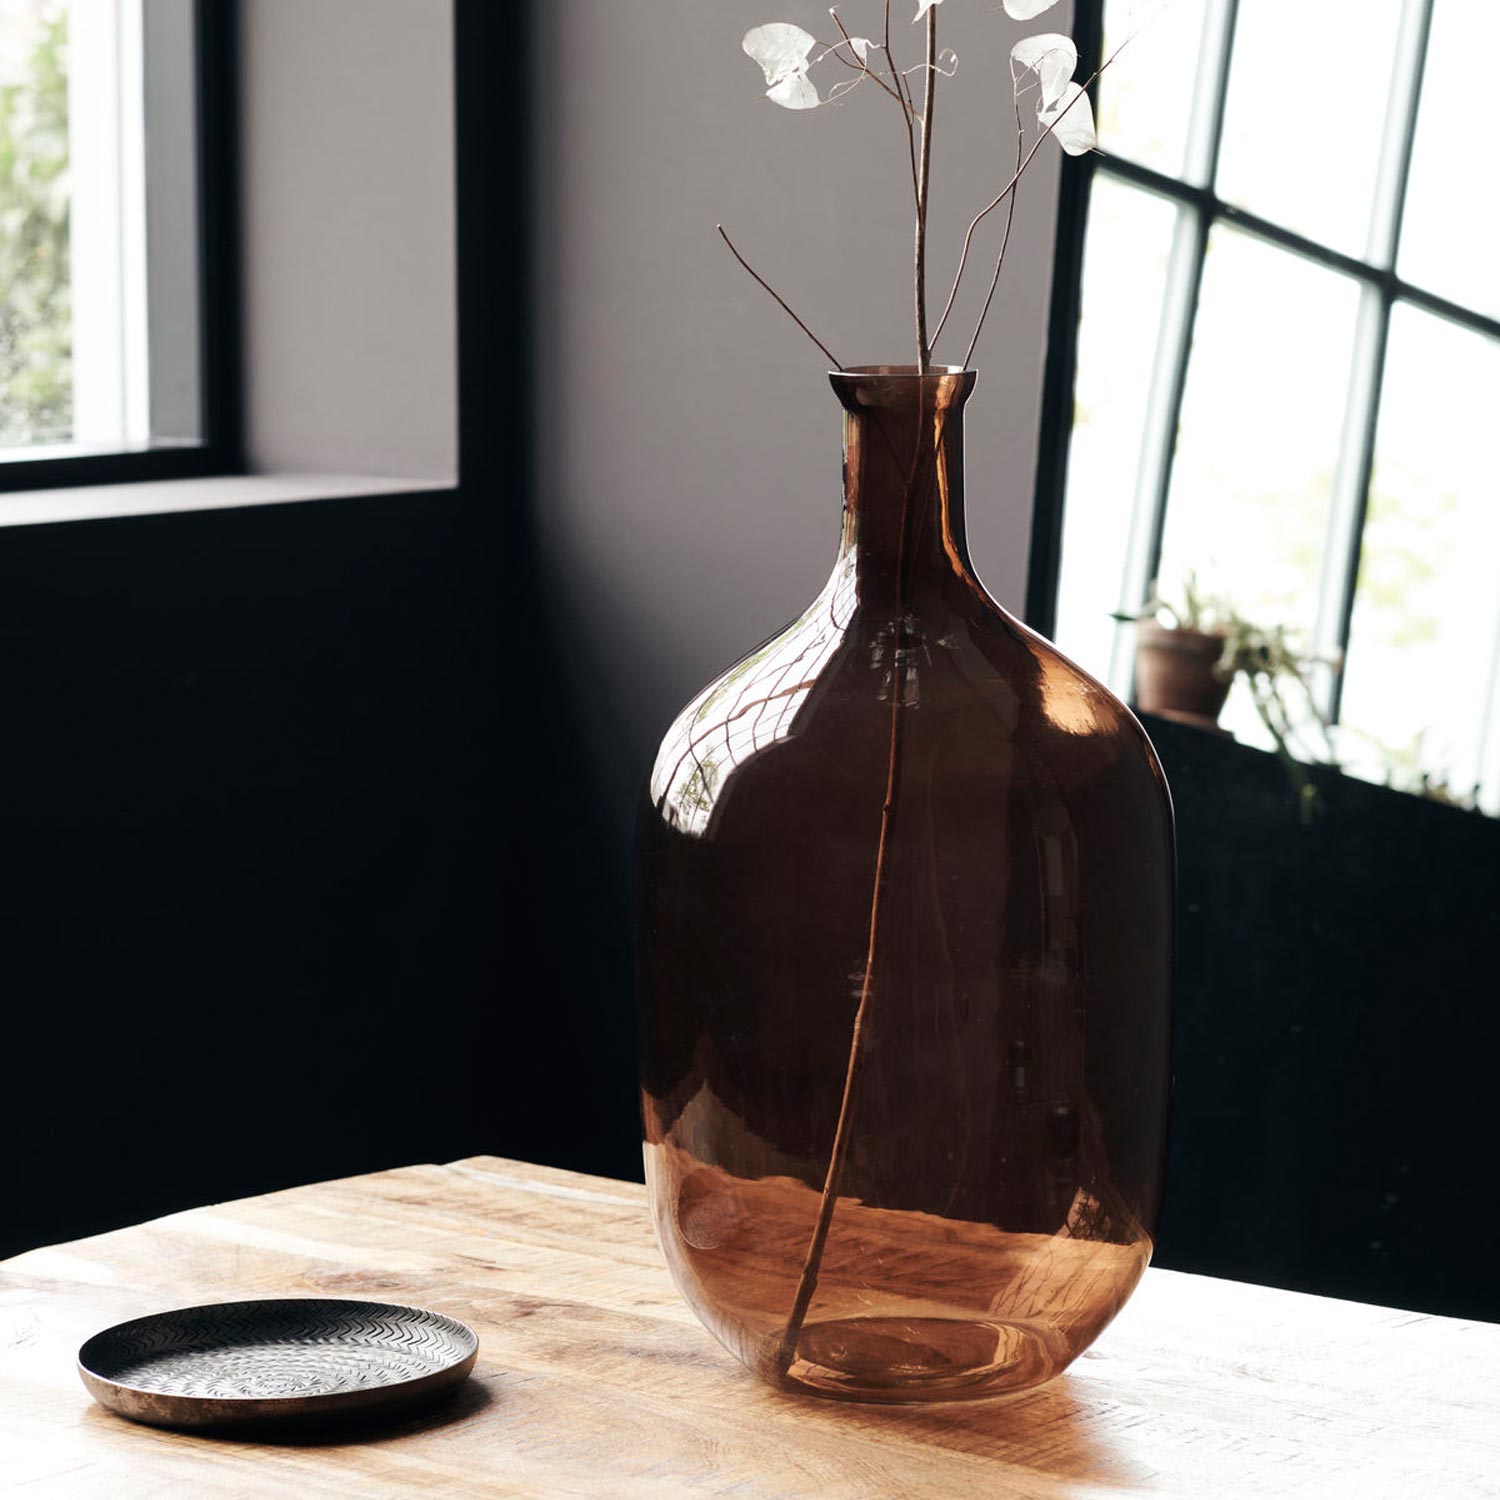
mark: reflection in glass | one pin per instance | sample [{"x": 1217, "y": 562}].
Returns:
[
  {"x": 1427, "y": 610},
  {"x": 1259, "y": 441},
  {"x": 1305, "y": 116},
  {"x": 1124, "y": 272},
  {"x": 1450, "y": 237},
  {"x": 903, "y": 966},
  {"x": 749, "y": 708}
]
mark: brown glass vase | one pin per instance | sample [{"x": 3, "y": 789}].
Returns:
[{"x": 905, "y": 936}]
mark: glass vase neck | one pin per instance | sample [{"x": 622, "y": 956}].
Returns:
[{"x": 903, "y": 530}]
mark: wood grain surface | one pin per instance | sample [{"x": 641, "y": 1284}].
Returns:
[{"x": 595, "y": 1381}]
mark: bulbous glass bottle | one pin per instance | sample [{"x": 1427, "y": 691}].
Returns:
[{"x": 904, "y": 959}]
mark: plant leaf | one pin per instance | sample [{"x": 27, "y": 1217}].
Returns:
[
  {"x": 860, "y": 45},
  {"x": 781, "y": 49},
  {"x": 1074, "y": 129},
  {"x": 923, "y": 6},
  {"x": 1024, "y": 10},
  {"x": 795, "y": 92},
  {"x": 1052, "y": 57}
]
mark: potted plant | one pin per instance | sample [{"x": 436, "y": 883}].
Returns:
[
  {"x": 1187, "y": 660},
  {"x": 1180, "y": 667}
]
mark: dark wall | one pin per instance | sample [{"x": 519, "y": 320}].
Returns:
[
  {"x": 1336, "y": 1036},
  {"x": 299, "y": 862},
  {"x": 291, "y": 884}
]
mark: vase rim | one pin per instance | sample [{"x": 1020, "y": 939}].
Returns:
[
  {"x": 900, "y": 388},
  {"x": 907, "y": 372}
]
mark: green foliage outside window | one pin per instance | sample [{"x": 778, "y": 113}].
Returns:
[{"x": 36, "y": 383}]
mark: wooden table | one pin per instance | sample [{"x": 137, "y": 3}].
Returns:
[{"x": 595, "y": 1381}]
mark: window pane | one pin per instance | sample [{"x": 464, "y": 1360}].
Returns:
[
  {"x": 1450, "y": 238},
  {"x": 1423, "y": 638},
  {"x": 36, "y": 371},
  {"x": 1306, "y": 113},
  {"x": 1259, "y": 440},
  {"x": 99, "y": 330},
  {"x": 1124, "y": 272},
  {"x": 1146, "y": 95}
]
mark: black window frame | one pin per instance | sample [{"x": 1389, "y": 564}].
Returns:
[
  {"x": 1208, "y": 209},
  {"x": 220, "y": 448}
]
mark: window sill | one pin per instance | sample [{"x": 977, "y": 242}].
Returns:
[{"x": 168, "y": 496}]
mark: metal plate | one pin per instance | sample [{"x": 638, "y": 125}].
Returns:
[{"x": 238, "y": 1362}]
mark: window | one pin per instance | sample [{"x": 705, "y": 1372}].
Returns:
[
  {"x": 1287, "y": 372},
  {"x": 104, "y": 312}
]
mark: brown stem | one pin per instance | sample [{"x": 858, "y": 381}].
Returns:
[
  {"x": 779, "y": 298},
  {"x": 843, "y": 1134},
  {"x": 924, "y": 182},
  {"x": 1009, "y": 188},
  {"x": 1010, "y": 218},
  {"x": 907, "y": 110},
  {"x": 853, "y": 61}
]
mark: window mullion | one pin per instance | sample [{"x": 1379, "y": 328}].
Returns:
[
  {"x": 1348, "y": 503},
  {"x": 1394, "y": 170},
  {"x": 1175, "y": 338},
  {"x": 1351, "y": 484},
  {"x": 1163, "y": 413}
]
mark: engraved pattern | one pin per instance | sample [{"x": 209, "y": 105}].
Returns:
[{"x": 297, "y": 1348}]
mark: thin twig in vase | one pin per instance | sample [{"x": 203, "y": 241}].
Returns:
[
  {"x": 862, "y": 66},
  {"x": 780, "y": 300},
  {"x": 924, "y": 182},
  {"x": 843, "y": 1134},
  {"x": 910, "y": 110},
  {"x": 784, "y": 53},
  {"x": 1010, "y": 218},
  {"x": 1009, "y": 189},
  {"x": 896, "y": 89}
]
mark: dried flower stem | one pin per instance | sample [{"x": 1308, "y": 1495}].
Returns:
[
  {"x": 807, "y": 1283},
  {"x": 780, "y": 300},
  {"x": 853, "y": 61},
  {"x": 907, "y": 109},
  {"x": 924, "y": 182},
  {"x": 843, "y": 1135},
  {"x": 1008, "y": 190},
  {"x": 1010, "y": 218}
]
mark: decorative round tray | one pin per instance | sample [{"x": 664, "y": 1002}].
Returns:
[{"x": 237, "y": 1362}]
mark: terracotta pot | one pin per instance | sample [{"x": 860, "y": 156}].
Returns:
[{"x": 1174, "y": 674}]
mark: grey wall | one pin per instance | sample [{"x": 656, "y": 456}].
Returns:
[
  {"x": 688, "y": 444},
  {"x": 348, "y": 131}
]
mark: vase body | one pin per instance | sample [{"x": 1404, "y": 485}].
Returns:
[{"x": 905, "y": 891}]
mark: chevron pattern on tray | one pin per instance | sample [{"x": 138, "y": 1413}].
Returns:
[{"x": 303, "y": 1347}]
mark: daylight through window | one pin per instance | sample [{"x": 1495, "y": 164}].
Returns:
[
  {"x": 99, "y": 342},
  {"x": 1289, "y": 363}
]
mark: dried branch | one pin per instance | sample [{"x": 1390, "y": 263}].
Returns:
[
  {"x": 855, "y": 61},
  {"x": 1010, "y": 218},
  {"x": 1009, "y": 188},
  {"x": 924, "y": 183},
  {"x": 780, "y": 300}
]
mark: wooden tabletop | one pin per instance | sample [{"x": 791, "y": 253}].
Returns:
[{"x": 595, "y": 1381}]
